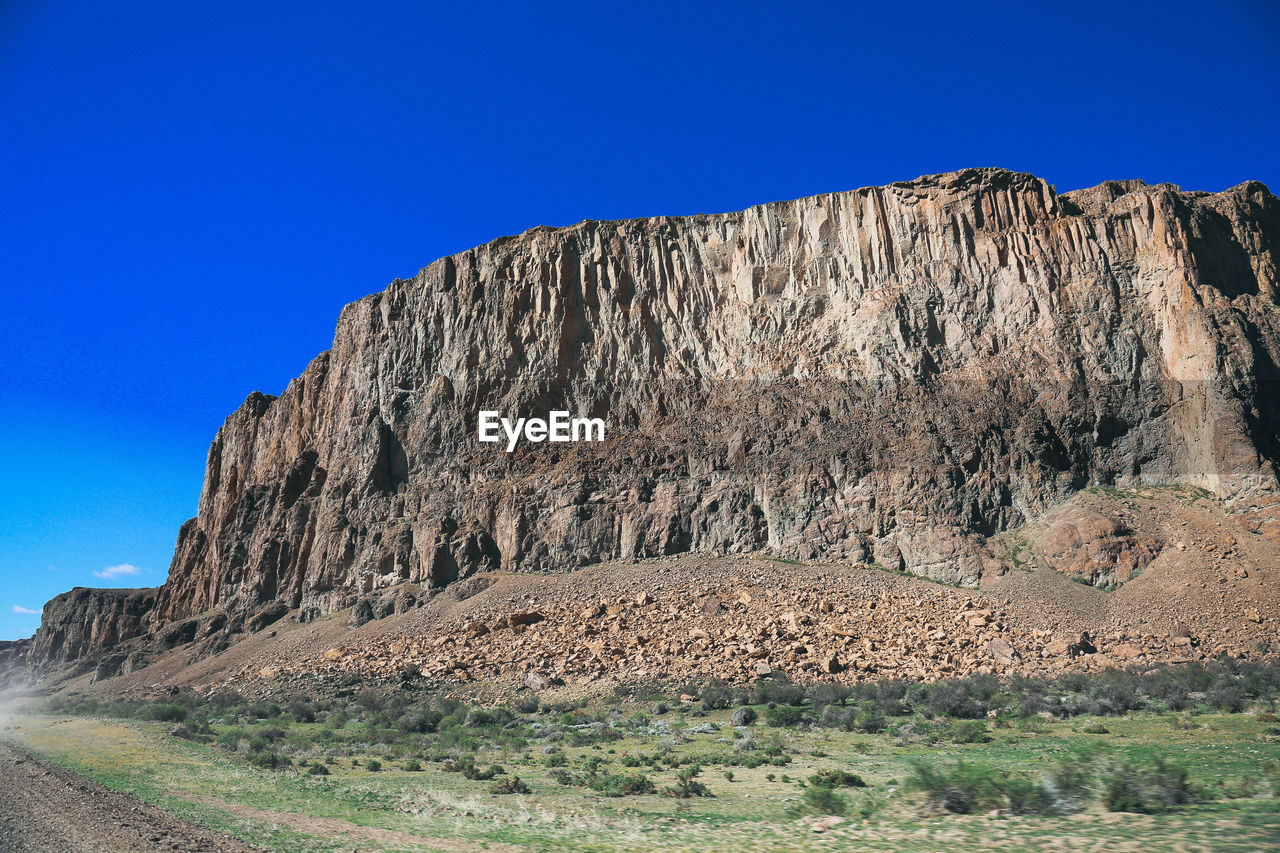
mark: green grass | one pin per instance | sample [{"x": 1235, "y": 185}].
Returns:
[{"x": 1233, "y": 758}]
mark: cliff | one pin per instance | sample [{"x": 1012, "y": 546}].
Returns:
[
  {"x": 83, "y": 623},
  {"x": 887, "y": 375}
]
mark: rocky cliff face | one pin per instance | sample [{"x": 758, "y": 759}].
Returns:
[
  {"x": 83, "y": 623},
  {"x": 887, "y": 375}
]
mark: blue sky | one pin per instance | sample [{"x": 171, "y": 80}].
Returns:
[{"x": 193, "y": 190}]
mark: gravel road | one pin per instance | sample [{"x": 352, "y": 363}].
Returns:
[{"x": 45, "y": 809}]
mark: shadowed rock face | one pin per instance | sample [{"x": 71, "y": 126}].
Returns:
[
  {"x": 82, "y": 623},
  {"x": 885, "y": 375}
]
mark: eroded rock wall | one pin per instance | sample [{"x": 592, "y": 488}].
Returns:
[
  {"x": 83, "y": 623},
  {"x": 885, "y": 375}
]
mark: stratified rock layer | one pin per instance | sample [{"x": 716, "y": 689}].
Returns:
[{"x": 889, "y": 375}]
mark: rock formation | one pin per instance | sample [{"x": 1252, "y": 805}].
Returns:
[
  {"x": 83, "y": 623},
  {"x": 890, "y": 375}
]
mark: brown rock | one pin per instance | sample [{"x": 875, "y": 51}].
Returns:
[
  {"x": 1002, "y": 651},
  {"x": 524, "y": 618}
]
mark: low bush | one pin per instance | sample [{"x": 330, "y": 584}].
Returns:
[
  {"x": 962, "y": 789},
  {"x": 783, "y": 716},
  {"x": 836, "y": 778},
  {"x": 622, "y": 785},
  {"x": 165, "y": 712},
  {"x": 1147, "y": 786},
  {"x": 511, "y": 785},
  {"x": 819, "y": 799},
  {"x": 966, "y": 731},
  {"x": 687, "y": 784}
]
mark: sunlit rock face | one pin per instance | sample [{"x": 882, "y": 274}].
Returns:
[{"x": 887, "y": 375}]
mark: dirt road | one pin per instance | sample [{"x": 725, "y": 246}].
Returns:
[{"x": 45, "y": 809}]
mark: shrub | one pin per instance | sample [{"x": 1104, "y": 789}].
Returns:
[
  {"x": 265, "y": 759},
  {"x": 563, "y": 777},
  {"x": 962, "y": 789},
  {"x": 967, "y": 731},
  {"x": 622, "y": 785},
  {"x": 836, "y": 778},
  {"x": 870, "y": 720},
  {"x": 373, "y": 765},
  {"x": 1148, "y": 786},
  {"x": 467, "y": 766},
  {"x": 317, "y": 769},
  {"x": 783, "y": 716},
  {"x": 419, "y": 722},
  {"x": 165, "y": 712},
  {"x": 829, "y": 694},
  {"x": 687, "y": 784},
  {"x": 1069, "y": 785},
  {"x": 1229, "y": 698},
  {"x": 819, "y": 799},
  {"x": 716, "y": 694},
  {"x": 952, "y": 699},
  {"x": 778, "y": 691},
  {"x": 511, "y": 785},
  {"x": 1026, "y": 796},
  {"x": 744, "y": 716},
  {"x": 301, "y": 710},
  {"x": 412, "y": 766}
]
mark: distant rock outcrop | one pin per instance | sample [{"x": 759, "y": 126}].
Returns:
[
  {"x": 887, "y": 375},
  {"x": 82, "y": 623}
]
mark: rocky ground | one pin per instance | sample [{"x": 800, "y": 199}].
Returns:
[
  {"x": 1188, "y": 584},
  {"x": 45, "y": 809}
]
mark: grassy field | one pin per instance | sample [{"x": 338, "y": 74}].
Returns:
[{"x": 608, "y": 776}]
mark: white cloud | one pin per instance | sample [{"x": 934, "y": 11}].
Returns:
[
  {"x": 113, "y": 572},
  {"x": 18, "y": 608}
]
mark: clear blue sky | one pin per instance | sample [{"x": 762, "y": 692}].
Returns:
[{"x": 193, "y": 190}]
